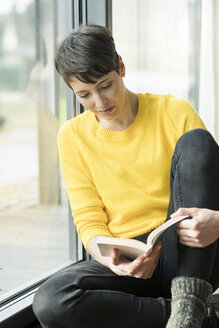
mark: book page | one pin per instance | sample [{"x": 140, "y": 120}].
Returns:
[
  {"x": 155, "y": 234},
  {"x": 132, "y": 248}
]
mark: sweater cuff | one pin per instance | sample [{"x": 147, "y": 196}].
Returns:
[{"x": 90, "y": 233}]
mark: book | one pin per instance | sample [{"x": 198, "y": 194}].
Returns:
[{"x": 132, "y": 248}]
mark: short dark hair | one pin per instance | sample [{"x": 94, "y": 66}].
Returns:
[{"x": 87, "y": 54}]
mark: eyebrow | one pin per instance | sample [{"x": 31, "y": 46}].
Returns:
[{"x": 81, "y": 91}]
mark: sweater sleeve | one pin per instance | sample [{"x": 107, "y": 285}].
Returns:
[
  {"x": 182, "y": 115},
  {"x": 87, "y": 207}
]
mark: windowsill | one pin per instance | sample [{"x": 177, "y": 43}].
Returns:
[
  {"x": 16, "y": 306},
  {"x": 19, "y": 313}
]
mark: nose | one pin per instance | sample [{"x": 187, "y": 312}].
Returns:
[{"x": 100, "y": 101}]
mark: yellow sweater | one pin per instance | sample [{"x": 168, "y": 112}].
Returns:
[{"x": 118, "y": 181}]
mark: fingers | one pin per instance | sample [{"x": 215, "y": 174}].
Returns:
[
  {"x": 188, "y": 233},
  {"x": 184, "y": 211},
  {"x": 191, "y": 242},
  {"x": 188, "y": 224},
  {"x": 144, "y": 266},
  {"x": 115, "y": 256},
  {"x": 137, "y": 263}
]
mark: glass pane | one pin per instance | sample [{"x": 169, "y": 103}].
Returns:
[
  {"x": 33, "y": 202},
  {"x": 158, "y": 41}
]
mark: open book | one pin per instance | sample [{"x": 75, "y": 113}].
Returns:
[{"x": 132, "y": 248}]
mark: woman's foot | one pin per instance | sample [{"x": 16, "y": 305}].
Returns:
[
  {"x": 188, "y": 306},
  {"x": 212, "y": 317}
]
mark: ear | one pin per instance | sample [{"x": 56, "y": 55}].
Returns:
[{"x": 121, "y": 67}]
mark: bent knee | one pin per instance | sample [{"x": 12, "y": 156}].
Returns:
[
  {"x": 44, "y": 303},
  {"x": 197, "y": 141},
  {"x": 51, "y": 303}
]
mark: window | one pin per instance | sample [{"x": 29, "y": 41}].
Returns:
[
  {"x": 34, "y": 211},
  {"x": 159, "y": 42},
  {"x": 172, "y": 47},
  {"x": 37, "y": 235}
]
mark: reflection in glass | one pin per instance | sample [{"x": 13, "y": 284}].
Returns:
[{"x": 33, "y": 203}]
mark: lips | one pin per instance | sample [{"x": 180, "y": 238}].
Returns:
[{"x": 107, "y": 111}]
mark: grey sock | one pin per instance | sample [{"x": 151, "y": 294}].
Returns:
[
  {"x": 188, "y": 306},
  {"x": 213, "y": 301},
  {"x": 212, "y": 317}
]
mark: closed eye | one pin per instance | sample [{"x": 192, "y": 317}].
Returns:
[
  {"x": 102, "y": 87},
  {"x": 84, "y": 96},
  {"x": 106, "y": 86}
]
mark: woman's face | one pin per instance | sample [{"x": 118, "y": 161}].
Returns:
[{"x": 105, "y": 98}]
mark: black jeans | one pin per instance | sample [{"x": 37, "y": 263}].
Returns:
[{"x": 88, "y": 294}]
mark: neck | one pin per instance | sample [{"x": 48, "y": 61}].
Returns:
[{"x": 127, "y": 116}]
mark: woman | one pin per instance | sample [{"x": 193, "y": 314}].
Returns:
[{"x": 116, "y": 160}]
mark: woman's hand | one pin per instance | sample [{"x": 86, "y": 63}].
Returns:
[
  {"x": 142, "y": 267},
  {"x": 199, "y": 231}
]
